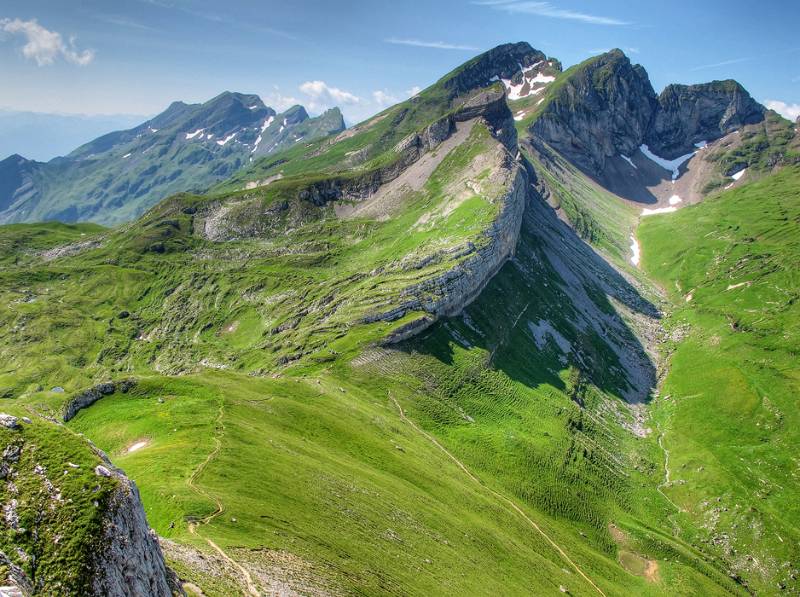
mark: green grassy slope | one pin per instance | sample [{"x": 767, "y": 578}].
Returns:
[
  {"x": 494, "y": 453},
  {"x": 729, "y": 409},
  {"x": 318, "y": 463},
  {"x": 153, "y": 296}
]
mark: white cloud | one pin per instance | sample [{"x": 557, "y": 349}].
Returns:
[
  {"x": 439, "y": 45},
  {"x": 383, "y": 98},
  {"x": 790, "y": 111},
  {"x": 280, "y": 102},
  {"x": 324, "y": 96},
  {"x": 45, "y": 46},
  {"x": 546, "y": 9},
  {"x": 413, "y": 91}
]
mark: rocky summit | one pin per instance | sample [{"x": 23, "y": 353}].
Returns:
[{"x": 529, "y": 331}]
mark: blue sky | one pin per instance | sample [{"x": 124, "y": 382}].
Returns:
[{"x": 136, "y": 56}]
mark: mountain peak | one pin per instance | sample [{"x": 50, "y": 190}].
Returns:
[
  {"x": 701, "y": 112},
  {"x": 501, "y": 62}
]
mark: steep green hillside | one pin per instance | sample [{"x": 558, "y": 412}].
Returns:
[
  {"x": 414, "y": 358},
  {"x": 728, "y": 413}
]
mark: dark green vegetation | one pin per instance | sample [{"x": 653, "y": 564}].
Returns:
[
  {"x": 511, "y": 448},
  {"x": 53, "y": 503},
  {"x": 188, "y": 147},
  {"x": 760, "y": 148},
  {"x": 729, "y": 416}
]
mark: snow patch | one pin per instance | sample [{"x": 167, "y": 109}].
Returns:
[
  {"x": 673, "y": 165},
  {"x": 658, "y": 210},
  {"x": 701, "y": 144},
  {"x": 636, "y": 253},
  {"x": 152, "y": 130},
  {"x": 516, "y": 92},
  {"x": 739, "y": 285},
  {"x": 739, "y": 174},
  {"x": 226, "y": 139},
  {"x": 127, "y": 155},
  {"x": 194, "y": 134},
  {"x": 519, "y": 116},
  {"x": 629, "y": 160},
  {"x": 137, "y": 446},
  {"x": 674, "y": 200},
  {"x": 264, "y": 127}
]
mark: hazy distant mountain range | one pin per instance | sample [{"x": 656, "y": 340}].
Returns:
[{"x": 41, "y": 136}]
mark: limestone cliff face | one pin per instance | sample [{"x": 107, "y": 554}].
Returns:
[
  {"x": 689, "y": 114},
  {"x": 606, "y": 106},
  {"x": 603, "y": 109},
  {"x": 109, "y": 550},
  {"x": 130, "y": 562},
  {"x": 448, "y": 293}
]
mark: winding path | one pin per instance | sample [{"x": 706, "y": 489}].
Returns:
[
  {"x": 220, "y": 508},
  {"x": 496, "y": 494},
  {"x": 666, "y": 469}
]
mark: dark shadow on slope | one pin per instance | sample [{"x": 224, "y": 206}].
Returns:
[
  {"x": 633, "y": 182},
  {"x": 548, "y": 309}
]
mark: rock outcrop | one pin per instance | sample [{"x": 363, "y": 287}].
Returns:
[
  {"x": 689, "y": 114},
  {"x": 602, "y": 110},
  {"x": 129, "y": 561},
  {"x": 502, "y": 62},
  {"x": 606, "y": 107},
  {"x": 92, "y": 395}
]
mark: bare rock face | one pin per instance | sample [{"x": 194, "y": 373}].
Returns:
[
  {"x": 603, "y": 110},
  {"x": 607, "y": 107},
  {"x": 448, "y": 293},
  {"x": 503, "y": 62},
  {"x": 689, "y": 114},
  {"x": 93, "y": 394},
  {"x": 130, "y": 562}
]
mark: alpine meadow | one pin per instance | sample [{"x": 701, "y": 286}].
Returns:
[{"x": 533, "y": 330}]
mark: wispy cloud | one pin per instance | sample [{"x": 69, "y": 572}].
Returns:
[
  {"x": 221, "y": 19},
  {"x": 45, "y": 46},
  {"x": 121, "y": 21},
  {"x": 790, "y": 111},
  {"x": 439, "y": 45},
  {"x": 547, "y": 9},
  {"x": 723, "y": 63}
]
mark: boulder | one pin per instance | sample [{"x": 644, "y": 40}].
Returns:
[{"x": 9, "y": 421}]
